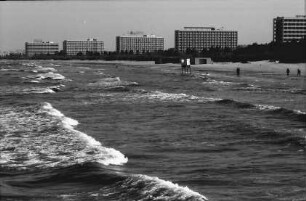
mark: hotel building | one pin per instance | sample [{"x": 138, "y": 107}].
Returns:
[
  {"x": 200, "y": 38},
  {"x": 139, "y": 43},
  {"x": 75, "y": 47},
  {"x": 286, "y": 29},
  {"x": 39, "y": 47}
]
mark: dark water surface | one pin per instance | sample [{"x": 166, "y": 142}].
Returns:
[{"x": 72, "y": 130}]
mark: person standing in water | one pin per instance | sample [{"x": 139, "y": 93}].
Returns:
[
  {"x": 238, "y": 71},
  {"x": 288, "y": 71},
  {"x": 298, "y": 72}
]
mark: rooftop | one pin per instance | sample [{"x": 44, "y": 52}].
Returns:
[
  {"x": 296, "y": 17},
  {"x": 141, "y": 36},
  {"x": 41, "y": 42},
  {"x": 203, "y": 29},
  {"x": 200, "y": 28}
]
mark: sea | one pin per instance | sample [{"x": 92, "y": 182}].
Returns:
[{"x": 121, "y": 131}]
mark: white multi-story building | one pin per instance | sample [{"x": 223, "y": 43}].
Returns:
[
  {"x": 139, "y": 43},
  {"x": 287, "y": 29},
  {"x": 40, "y": 47},
  {"x": 199, "y": 38},
  {"x": 90, "y": 45}
]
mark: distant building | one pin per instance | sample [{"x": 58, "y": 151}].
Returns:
[
  {"x": 286, "y": 29},
  {"x": 90, "y": 45},
  {"x": 139, "y": 43},
  {"x": 40, "y": 47},
  {"x": 199, "y": 38}
]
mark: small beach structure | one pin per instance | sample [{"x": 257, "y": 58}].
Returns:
[
  {"x": 202, "y": 60},
  {"x": 185, "y": 64}
]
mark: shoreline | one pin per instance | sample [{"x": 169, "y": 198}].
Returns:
[{"x": 264, "y": 67}]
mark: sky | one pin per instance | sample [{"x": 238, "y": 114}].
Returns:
[{"x": 24, "y": 21}]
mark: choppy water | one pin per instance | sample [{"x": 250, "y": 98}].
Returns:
[{"x": 72, "y": 130}]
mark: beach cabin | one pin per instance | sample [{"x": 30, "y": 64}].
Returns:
[{"x": 202, "y": 60}]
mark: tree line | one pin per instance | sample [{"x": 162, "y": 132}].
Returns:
[{"x": 291, "y": 52}]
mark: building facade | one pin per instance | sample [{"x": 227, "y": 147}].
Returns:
[
  {"x": 40, "y": 47},
  {"x": 90, "y": 45},
  {"x": 287, "y": 29},
  {"x": 199, "y": 38},
  {"x": 139, "y": 43}
]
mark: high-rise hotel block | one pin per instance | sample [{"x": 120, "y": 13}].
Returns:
[
  {"x": 90, "y": 45},
  {"x": 287, "y": 29},
  {"x": 39, "y": 47},
  {"x": 139, "y": 43},
  {"x": 199, "y": 38}
]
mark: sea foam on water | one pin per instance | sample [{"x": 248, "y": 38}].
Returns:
[{"x": 46, "y": 138}]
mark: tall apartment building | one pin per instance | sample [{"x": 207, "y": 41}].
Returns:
[
  {"x": 139, "y": 43},
  {"x": 200, "y": 38},
  {"x": 90, "y": 45},
  {"x": 286, "y": 29},
  {"x": 39, "y": 47}
]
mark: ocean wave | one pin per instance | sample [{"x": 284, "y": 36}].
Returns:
[
  {"x": 38, "y": 68},
  {"x": 235, "y": 103},
  {"x": 249, "y": 87},
  {"x": 258, "y": 89},
  {"x": 108, "y": 183},
  {"x": 43, "y": 137},
  {"x": 143, "y": 96},
  {"x": 294, "y": 114},
  {"x": 9, "y": 69},
  {"x": 112, "y": 82},
  {"x": 121, "y": 187},
  {"x": 30, "y": 90},
  {"x": 158, "y": 95},
  {"x": 166, "y": 97},
  {"x": 215, "y": 82},
  {"x": 268, "y": 107},
  {"x": 143, "y": 187},
  {"x": 48, "y": 75},
  {"x": 158, "y": 189}
]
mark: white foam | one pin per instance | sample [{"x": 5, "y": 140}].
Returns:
[
  {"x": 299, "y": 112},
  {"x": 163, "y": 96},
  {"x": 106, "y": 155},
  {"x": 44, "y": 69},
  {"x": 267, "y": 107},
  {"x": 34, "y": 81},
  {"x": 182, "y": 192},
  {"x": 39, "y": 90},
  {"x": 49, "y": 109},
  {"x": 45, "y": 137},
  {"x": 218, "y": 82},
  {"x": 10, "y": 69},
  {"x": 48, "y": 75},
  {"x": 39, "y": 68},
  {"x": 28, "y": 90},
  {"x": 111, "y": 82}
]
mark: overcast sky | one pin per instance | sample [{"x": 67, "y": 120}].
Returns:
[{"x": 56, "y": 21}]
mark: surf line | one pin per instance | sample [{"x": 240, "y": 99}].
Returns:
[{"x": 104, "y": 155}]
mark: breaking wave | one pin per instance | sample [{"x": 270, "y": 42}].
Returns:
[
  {"x": 121, "y": 187},
  {"x": 30, "y": 90},
  {"x": 42, "y": 137},
  {"x": 42, "y": 141},
  {"x": 44, "y": 76},
  {"x": 293, "y": 114},
  {"x": 111, "y": 82},
  {"x": 153, "y": 188}
]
